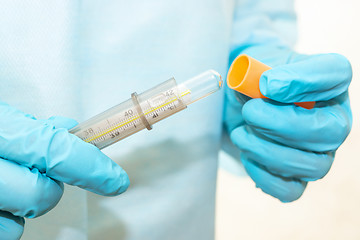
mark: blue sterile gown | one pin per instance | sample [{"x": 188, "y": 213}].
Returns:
[{"x": 78, "y": 58}]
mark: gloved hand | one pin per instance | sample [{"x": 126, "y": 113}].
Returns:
[
  {"x": 36, "y": 158},
  {"x": 283, "y": 146}
]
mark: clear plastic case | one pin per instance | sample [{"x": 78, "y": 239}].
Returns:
[{"x": 143, "y": 110}]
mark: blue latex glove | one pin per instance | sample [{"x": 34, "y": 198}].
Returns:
[
  {"x": 36, "y": 158},
  {"x": 284, "y": 146}
]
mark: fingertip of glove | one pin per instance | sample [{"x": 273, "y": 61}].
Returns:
[
  {"x": 123, "y": 183},
  {"x": 117, "y": 181},
  {"x": 284, "y": 189},
  {"x": 238, "y": 136},
  {"x": 286, "y": 195},
  {"x": 339, "y": 59},
  {"x": 292, "y": 194},
  {"x": 264, "y": 82},
  {"x": 235, "y": 133},
  {"x": 279, "y": 84},
  {"x": 344, "y": 64},
  {"x": 11, "y": 227},
  {"x": 253, "y": 111},
  {"x": 272, "y": 83}
]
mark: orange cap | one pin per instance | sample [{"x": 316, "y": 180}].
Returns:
[{"x": 244, "y": 76}]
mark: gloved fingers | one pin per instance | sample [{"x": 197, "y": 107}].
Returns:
[
  {"x": 27, "y": 192},
  {"x": 59, "y": 154},
  {"x": 279, "y": 159},
  {"x": 61, "y": 122},
  {"x": 11, "y": 227},
  {"x": 67, "y": 158},
  {"x": 315, "y": 78},
  {"x": 319, "y": 129},
  {"x": 284, "y": 189}
]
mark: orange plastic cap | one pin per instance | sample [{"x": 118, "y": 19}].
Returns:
[{"x": 244, "y": 76}]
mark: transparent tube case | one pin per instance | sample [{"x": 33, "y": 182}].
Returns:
[{"x": 143, "y": 110}]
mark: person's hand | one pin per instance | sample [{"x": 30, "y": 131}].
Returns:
[
  {"x": 36, "y": 158},
  {"x": 283, "y": 146}
]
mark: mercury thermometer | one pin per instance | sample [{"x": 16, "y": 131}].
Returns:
[{"x": 143, "y": 110}]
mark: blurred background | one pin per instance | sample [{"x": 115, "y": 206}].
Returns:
[{"x": 329, "y": 208}]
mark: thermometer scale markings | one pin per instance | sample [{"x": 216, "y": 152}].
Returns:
[{"x": 133, "y": 119}]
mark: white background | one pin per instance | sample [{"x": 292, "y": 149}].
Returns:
[{"x": 329, "y": 208}]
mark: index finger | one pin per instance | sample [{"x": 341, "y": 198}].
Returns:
[
  {"x": 58, "y": 154},
  {"x": 314, "y": 78}
]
